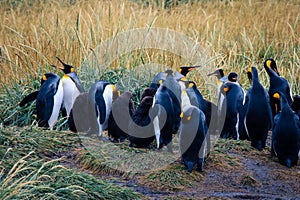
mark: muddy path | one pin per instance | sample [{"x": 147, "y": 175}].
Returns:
[{"x": 233, "y": 170}]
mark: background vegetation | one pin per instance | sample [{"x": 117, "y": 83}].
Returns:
[{"x": 236, "y": 34}]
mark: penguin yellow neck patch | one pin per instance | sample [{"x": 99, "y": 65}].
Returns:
[
  {"x": 66, "y": 76},
  {"x": 191, "y": 85}
]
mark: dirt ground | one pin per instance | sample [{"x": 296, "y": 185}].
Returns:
[{"x": 233, "y": 170}]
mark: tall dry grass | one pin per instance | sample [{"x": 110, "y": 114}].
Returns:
[{"x": 236, "y": 34}]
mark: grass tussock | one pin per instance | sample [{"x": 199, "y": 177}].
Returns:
[
  {"x": 174, "y": 177},
  {"x": 31, "y": 166},
  {"x": 50, "y": 180}
]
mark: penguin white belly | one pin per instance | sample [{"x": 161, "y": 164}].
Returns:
[
  {"x": 108, "y": 96},
  {"x": 70, "y": 92},
  {"x": 58, "y": 98},
  {"x": 185, "y": 101}
]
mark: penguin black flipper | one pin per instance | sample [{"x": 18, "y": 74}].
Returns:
[
  {"x": 29, "y": 98},
  {"x": 100, "y": 104}
]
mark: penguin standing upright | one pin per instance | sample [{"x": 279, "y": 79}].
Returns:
[
  {"x": 221, "y": 80},
  {"x": 192, "y": 138},
  {"x": 258, "y": 115},
  {"x": 234, "y": 98},
  {"x": 285, "y": 134},
  {"x": 120, "y": 116},
  {"x": 295, "y": 106},
  {"x": 71, "y": 85},
  {"x": 102, "y": 94},
  {"x": 49, "y": 100},
  {"x": 141, "y": 130},
  {"x": 277, "y": 84},
  {"x": 167, "y": 109}
]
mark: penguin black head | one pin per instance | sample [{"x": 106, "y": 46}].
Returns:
[
  {"x": 249, "y": 74},
  {"x": 296, "y": 103},
  {"x": 233, "y": 77},
  {"x": 270, "y": 63},
  {"x": 219, "y": 73},
  {"x": 186, "y": 69},
  {"x": 65, "y": 68},
  {"x": 46, "y": 76},
  {"x": 169, "y": 72}
]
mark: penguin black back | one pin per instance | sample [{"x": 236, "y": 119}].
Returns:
[
  {"x": 192, "y": 138},
  {"x": 277, "y": 84},
  {"x": 49, "y": 100},
  {"x": 234, "y": 98},
  {"x": 258, "y": 116},
  {"x": 296, "y": 105},
  {"x": 32, "y": 96},
  {"x": 120, "y": 116},
  {"x": 286, "y": 134},
  {"x": 141, "y": 131}
]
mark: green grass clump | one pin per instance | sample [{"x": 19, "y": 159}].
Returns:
[
  {"x": 171, "y": 178},
  {"x": 49, "y": 180}
]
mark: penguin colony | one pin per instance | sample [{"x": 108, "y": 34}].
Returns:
[{"x": 172, "y": 105}]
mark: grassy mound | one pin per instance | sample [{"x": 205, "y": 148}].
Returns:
[{"x": 31, "y": 167}]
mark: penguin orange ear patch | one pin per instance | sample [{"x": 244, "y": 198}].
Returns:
[
  {"x": 191, "y": 85},
  {"x": 72, "y": 69},
  {"x": 268, "y": 63},
  {"x": 44, "y": 77},
  {"x": 226, "y": 89},
  {"x": 160, "y": 81},
  {"x": 181, "y": 115},
  {"x": 189, "y": 118},
  {"x": 276, "y": 96}
]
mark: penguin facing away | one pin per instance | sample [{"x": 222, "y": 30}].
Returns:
[
  {"x": 102, "y": 95},
  {"x": 49, "y": 100},
  {"x": 258, "y": 115},
  {"x": 141, "y": 130},
  {"x": 120, "y": 116},
  {"x": 277, "y": 84},
  {"x": 286, "y": 134},
  {"x": 192, "y": 138}
]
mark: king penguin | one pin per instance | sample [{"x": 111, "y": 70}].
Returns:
[
  {"x": 141, "y": 130},
  {"x": 277, "y": 84},
  {"x": 258, "y": 116},
  {"x": 166, "y": 109},
  {"x": 192, "y": 138},
  {"x": 231, "y": 107},
  {"x": 49, "y": 100},
  {"x": 285, "y": 134},
  {"x": 120, "y": 116},
  {"x": 102, "y": 95},
  {"x": 71, "y": 85}
]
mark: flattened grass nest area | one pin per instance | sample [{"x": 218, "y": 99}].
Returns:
[{"x": 40, "y": 164}]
